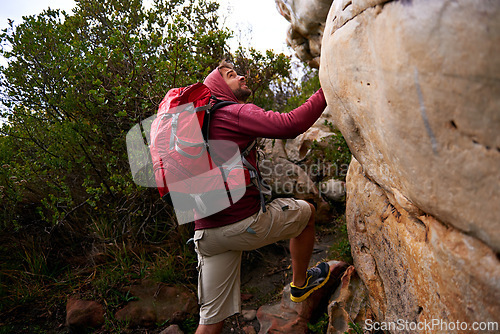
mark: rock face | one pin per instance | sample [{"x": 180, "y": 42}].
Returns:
[
  {"x": 349, "y": 304},
  {"x": 414, "y": 87},
  {"x": 307, "y": 18},
  {"x": 414, "y": 267}
]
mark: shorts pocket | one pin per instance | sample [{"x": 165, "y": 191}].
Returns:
[
  {"x": 285, "y": 205},
  {"x": 289, "y": 218},
  {"x": 198, "y": 235},
  {"x": 239, "y": 227}
]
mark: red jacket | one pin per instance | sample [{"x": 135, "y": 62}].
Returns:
[{"x": 242, "y": 124}]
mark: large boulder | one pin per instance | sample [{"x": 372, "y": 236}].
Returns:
[
  {"x": 414, "y": 88},
  {"x": 414, "y": 267}
]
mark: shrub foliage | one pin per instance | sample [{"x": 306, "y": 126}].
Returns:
[{"x": 74, "y": 84}]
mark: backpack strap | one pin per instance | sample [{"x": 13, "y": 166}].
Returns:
[
  {"x": 206, "y": 121},
  {"x": 254, "y": 173},
  {"x": 220, "y": 104},
  {"x": 264, "y": 188},
  {"x": 249, "y": 148}
]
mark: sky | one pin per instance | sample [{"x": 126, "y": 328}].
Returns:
[{"x": 268, "y": 28}]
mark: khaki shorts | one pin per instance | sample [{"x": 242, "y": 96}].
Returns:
[{"x": 219, "y": 253}]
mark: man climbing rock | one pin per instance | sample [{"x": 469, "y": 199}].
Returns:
[{"x": 246, "y": 225}]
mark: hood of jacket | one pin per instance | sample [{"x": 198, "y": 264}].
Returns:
[{"x": 219, "y": 88}]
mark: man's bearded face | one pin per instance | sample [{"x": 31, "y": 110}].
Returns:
[{"x": 237, "y": 84}]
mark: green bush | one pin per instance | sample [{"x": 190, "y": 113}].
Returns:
[{"x": 73, "y": 87}]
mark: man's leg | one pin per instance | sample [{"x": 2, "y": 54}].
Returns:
[
  {"x": 301, "y": 248},
  {"x": 306, "y": 281},
  {"x": 218, "y": 281},
  {"x": 210, "y": 329}
]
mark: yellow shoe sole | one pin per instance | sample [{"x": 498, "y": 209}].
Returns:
[{"x": 308, "y": 293}]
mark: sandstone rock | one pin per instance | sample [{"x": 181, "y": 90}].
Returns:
[
  {"x": 157, "y": 303},
  {"x": 289, "y": 317},
  {"x": 287, "y": 179},
  {"x": 333, "y": 189},
  {"x": 349, "y": 304},
  {"x": 413, "y": 86},
  {"x": 342, "y": 11},
  {"x": 84, "y": 314},
  {"x": 414, "y": 267},
  {"x": 307, "y": 18},
  {"x": 298, "y": 148},
  {"x": 273, "y": 149},
  {"x": 248, "y": 315}
]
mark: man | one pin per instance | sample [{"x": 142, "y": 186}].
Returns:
[{"x": 221, "y": 238}]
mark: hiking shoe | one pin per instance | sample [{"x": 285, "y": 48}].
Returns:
[{"x": 316, "y": 277}]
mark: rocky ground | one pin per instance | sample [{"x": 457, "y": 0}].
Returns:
[{"x": 265, "y": 272}]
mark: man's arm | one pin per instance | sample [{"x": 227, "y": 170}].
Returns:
[{"x": 257, "y": 122}]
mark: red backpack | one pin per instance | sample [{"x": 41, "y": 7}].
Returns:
[{"x": 189, "y": 169}]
